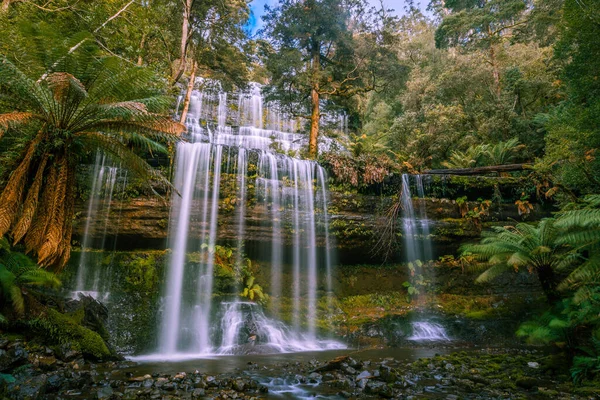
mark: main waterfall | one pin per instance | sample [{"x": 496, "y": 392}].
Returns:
[{"x": 227, "y": 137}]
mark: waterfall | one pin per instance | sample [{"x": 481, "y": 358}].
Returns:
[
  {"x": 290, "y": 192},
  {"x": 415, "y": 226},
  {"x": 417, "y": 244},
  {"x": 91, "y": 279},
  {"x": 428, "y": 331}
]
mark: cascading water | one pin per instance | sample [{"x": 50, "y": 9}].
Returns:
[
  {"x": 90, "y": 280},
  {"x": 417, "y": 245},
  {"x": 191, "y": 324},
  {"x": 428, "y": 331}
]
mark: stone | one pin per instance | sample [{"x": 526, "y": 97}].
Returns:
[
  {"x": 363, "y": 375},
  {"x": 449, "y": 367},
  {"x": 239, "y": 385},
  {"x": 314, "y": 377},
  {"x": 66, "y": 352},
  {"x": 533, "y": 365},
  {"x": 33, "y": 388},
  {"x": 380, "y": 389},
  {"x": 350, "y": 370},
  {"x": 105, "y": 392},
  {"x": 198, "y": 393},
  {"x": 12, "y": 357}
]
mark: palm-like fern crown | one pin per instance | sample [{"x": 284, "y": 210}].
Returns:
[
  {"x": 522, "y": 246},
  {"x": 93, "y": 103}
]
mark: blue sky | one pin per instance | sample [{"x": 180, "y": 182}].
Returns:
[{"x": 258, "y": 8}]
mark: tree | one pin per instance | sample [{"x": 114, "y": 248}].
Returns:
[
  {"x": 522, "y": 246},
  {"x": 320, "y": 49},
  {"x": 212, "y": 35},
  {"x": 480, "y": 24},
  {"x": 573, "y": 137},
  {"x": 94, "y": 103}
]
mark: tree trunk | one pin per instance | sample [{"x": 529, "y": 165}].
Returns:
[
  {"x": 495, "y": 70},
  {"x": 315, "y": 116},
  {"x": 188, "y": 94},
  {"x": 479, "y": 170},
  {"x": 494, "y": 63},
  {"x": 185, "y": 32},
  {"x": 548, "y": 282},
  {"x": 140, "y": 60}
]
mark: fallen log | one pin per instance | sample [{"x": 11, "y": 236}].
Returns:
[
  {"x": 479, "y": 170},
  {"x": 332, "y": 365}
]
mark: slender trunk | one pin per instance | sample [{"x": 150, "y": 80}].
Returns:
[
  {"x": 315, "y": 116},
  {"x": 548, "y": 282},
  {"x": 140, "y": 60},
  {"x": 188, "y": 94},
  {"x": 494, "y": 63},
  {"x": 495, "y": 70},
  {"x": 185, "y": 32}
]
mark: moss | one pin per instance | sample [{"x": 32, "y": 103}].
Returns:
[
  {"x": 141, "y": 273},
  {"x": 63, "y": 329}
]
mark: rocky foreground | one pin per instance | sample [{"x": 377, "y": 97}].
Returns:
[{"x": 36, "y": 372}]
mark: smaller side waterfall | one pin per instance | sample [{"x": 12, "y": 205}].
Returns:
[
  {"x": 418, "y": 249},
  {"x": 428, "y": 331},
  {"x": 92, "y": 280}
]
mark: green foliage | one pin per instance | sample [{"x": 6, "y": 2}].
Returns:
[
  {"x": 18, "y": 272},
  {"x": 254, "y": 292},
  {"x": 523, "y": 246}
]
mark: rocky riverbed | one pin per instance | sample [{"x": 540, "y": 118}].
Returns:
[{"x": 30, "y": 371}]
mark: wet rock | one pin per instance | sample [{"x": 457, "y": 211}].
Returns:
[
  {"x": 198, "y": 393},
  {"x": 105, "y": 392},
  {"x": 14, "y": 356},
  {"x": 147, "y": 383},
  {"x": 54, "y": 382},
  {"x": 66, "y": 352},
  {"x": 32, "y": 389},
  {"x": 263, "y": 389},
  {"x": 363, "y": 375},
  {"x": 350, "y": 370},
  {"x": 344, "y": 394},
  {"x": 239, "y": 385},
  {"x": 380, "y": 389},
  {"x": 314, "y": 377}
]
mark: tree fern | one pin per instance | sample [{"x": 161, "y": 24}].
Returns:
[
  {"x": 81, "y": 103},
  {"x": 523, "y": 246}
]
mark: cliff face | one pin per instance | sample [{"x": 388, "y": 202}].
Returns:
[{"x": 356, "y": 224}]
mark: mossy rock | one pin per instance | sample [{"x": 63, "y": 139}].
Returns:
[{"x": 63, "y": 329}]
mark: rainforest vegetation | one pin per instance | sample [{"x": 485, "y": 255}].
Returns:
[{"x": 497, "y": 102}]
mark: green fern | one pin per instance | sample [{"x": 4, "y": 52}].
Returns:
[
  {"x": 18, "y": 271},
  {"x": 512, "y": 248}
]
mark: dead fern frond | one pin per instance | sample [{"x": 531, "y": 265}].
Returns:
[
  {"x": 12, "y": 119},
  {"x": 54, "y": 231},
  {"x": 35, "y": 236},
  {"x": 31, "y": 203},
  {"x": 13, "y": 192}
]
